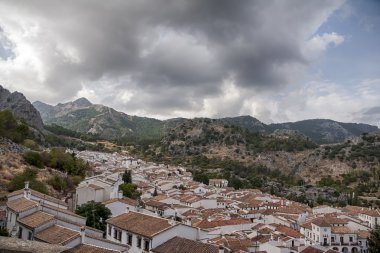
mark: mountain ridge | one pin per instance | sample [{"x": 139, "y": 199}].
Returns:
[{"x": 83, "y": 116}]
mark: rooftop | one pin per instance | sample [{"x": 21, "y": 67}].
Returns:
[
  {"x": 57, "y": 235},
  {"x": 141, "y": 224},
  {"x": 220, "y": 223},
  {"x": 84, "y": 248},
  {"x": 182, "y": 245},
  {"x": 10, "y": 244},
  {"x": 36, "y": 219},
  {"x": 38, "y": 195},
  {"x": 21, "y": 205}
]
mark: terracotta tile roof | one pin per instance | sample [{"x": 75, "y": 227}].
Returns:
[
  {"x": 261, "y": 238},
  {"x": 287, "y": 231},
  {"x": 363, "y": 234},
  {"x": 311, "y": 249},
  {"x": 157, "y": 204},
  {"x": 341, "y": 230},
  {"x": 139, "y": 223},
  {"x": 65, "y": 211},
  {"x": 124, "y": 200},
  {"x": 21, "y": 205},
  {"x": 38, "y": 195},
  {"x": 328, "y": 221},
  {"x": 233, "y": 243},
  {"x": 182, "y": 245},
  {"x": 36, "y": 219},
  {"x": 370, "y": 212},
  {"x": 291, "y": 209},
  {"x": 57, "y": 235},
  {"x": 187, "y": 198},
  {"x": 84, "y": 248},
  {"x": 220, "y": 223}
]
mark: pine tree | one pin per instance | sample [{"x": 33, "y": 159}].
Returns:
[{"x": 127, "y": 177}]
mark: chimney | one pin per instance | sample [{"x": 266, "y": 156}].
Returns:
[
  {"x": 126, "y": 209},
  {"x": 221, "y": 249},
  {"x": 120, "y": 194},
  {"x": 27, "y": 190},
  {"x": 83, "y": 234},
  {"x": 188, "y": 221}
]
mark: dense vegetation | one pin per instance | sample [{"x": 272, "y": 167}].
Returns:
[
  {"x": 58, "y": 159},
  {"x": 365, "y": 150},
  {"x": 130, "y": 190},
  {"x": 96, "y": 214},
  {"x": 18, "y": 181},
  {"x": 11, "y": 128},
  {"x": 237, "y": 173},
  {"x": 59, "y": 130},
  {"x": 374, "y": 241}
]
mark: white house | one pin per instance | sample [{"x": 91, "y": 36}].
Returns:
[
  {"x": 142, "y": 232},
  {"x": 98, "y": 188}
]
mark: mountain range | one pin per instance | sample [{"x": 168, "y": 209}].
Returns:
[{"x": 84, "y": 117}]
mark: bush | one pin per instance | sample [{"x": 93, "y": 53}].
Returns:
[
  {"x": 58, "y": 183},
  {"x": 18, "y": 182},
  {"x": 31, "y": 144},
  {"x": 34, "y": 159},
  {"x": 10, "y": 128},
  {"x": 130, "y": 191}
]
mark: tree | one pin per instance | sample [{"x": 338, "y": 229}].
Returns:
[
  {"x": 96, "y": 214},
  {"x": 4, "y": 232},
  {"x": 130, "y": 191},
  {"x": 34, "y": 158},
  {"x": 155, "y": 192},
  {"x": 127, "y": 177},
  {"x": 18, "y": 181},
  {"x": 374, "y": 241}
]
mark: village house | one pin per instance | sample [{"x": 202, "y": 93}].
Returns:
[
  {"x": 32, "y": 219},
  {"x": 98, "y": 188},
  {"x": 333, "y": 233},
  {"x": 220, "y": 183},
  {"x": 142, "y": 232}
]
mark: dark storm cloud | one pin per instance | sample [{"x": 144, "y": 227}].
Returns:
[{"x": 172, "y": 53}]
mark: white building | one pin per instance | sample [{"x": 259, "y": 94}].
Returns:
[
  {"x": 142, "y": 232},
  {"x": 98, "y": 188},
  {"x": 333, "y": 233}
]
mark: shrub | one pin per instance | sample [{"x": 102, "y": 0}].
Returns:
[{"x": 34, "y": 158}]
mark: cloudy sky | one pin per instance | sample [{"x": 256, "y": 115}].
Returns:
[{"x": 275, "y": 60}]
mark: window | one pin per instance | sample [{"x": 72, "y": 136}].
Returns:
[
  {"x": 146, "y": 245},
  {"x": 138, "y": 242},
  {"x": 351, "y": 239},
  {"x": 130, "y": 239},
  {"x": 332, "y": 239},
  {"x": 30, "y": 236},
  {"x": 20, "y": 232},
  {"x": 109, "y": 230},
  {"x": 117, "y": 234}
]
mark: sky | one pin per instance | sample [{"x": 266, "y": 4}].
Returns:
[{"x": 275, "y": 60}]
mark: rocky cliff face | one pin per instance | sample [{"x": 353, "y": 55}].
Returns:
[
  {"x": 21, "y": 108},
  {"x": 49, "y": 112}
]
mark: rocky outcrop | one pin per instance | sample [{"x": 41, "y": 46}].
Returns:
[
  {"x": 49, "y": 112},
  {"x": 21, "y": 108}
]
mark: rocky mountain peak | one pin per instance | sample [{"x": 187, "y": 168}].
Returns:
[
  {"x": 20, "y": 107},
  {"x": 82, "y": 102}
]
